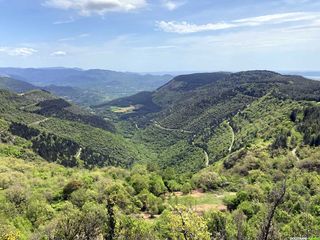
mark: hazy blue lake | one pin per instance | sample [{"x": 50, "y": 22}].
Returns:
[{"x": 313, "y": 77}]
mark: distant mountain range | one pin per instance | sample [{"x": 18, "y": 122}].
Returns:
[{"x": 87, "y": 87}]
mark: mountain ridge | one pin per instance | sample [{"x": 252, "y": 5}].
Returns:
[{"x": 88, "y": 87}]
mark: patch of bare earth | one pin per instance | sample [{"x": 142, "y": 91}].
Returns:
[
  {"x": 198, "y": 193},
  {"x": 147, "y": 216},
  {"x": 202, "y": 208},
  {"x": 125, "y": 109}
]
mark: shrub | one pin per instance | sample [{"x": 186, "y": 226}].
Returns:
[
  {"x": 207, "y": 180},
  {"x": 70, "y": 188}
]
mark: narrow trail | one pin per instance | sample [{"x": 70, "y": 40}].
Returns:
[
  {"x": 206, "y": 156},
  {"x": 294, "y": 153},
  {"x": 38, "y": 122},
  {"x": 233, "y": 137},
  {"x": 27, "y": 106},
  {"x": 156, "y": 124},
  {"x": 78, "y": 153},
  {"x": 206, "y": 162}
]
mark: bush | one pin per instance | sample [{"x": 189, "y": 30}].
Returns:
[
  {"x": 17, "y": 195},
  {"x": 207, "y": 180},
  {"x": 310, "y": 165},
  {"x": 217, "y": 224},
  {"x": 157, "y": 186},
  {"x": 70, "y": 188},
  {"x": 174, "y": 186},
  {"x": 186, "y": 188}
]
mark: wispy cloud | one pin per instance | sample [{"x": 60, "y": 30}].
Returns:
[
  {"x": 185, "y": 27},
  {"x": 258, "y": 40},
  {"x": 89, "y": 7},
  {"x": 70, "y": 20},
  {"x": 59, "y": 54},
  {"x": 23, "y": 51},
  {"x": 155, "y": 47},
  {"x": 172, "y": 5},
  {"x": 83, "y": 35},
  {"x": 297, "y": 1}
]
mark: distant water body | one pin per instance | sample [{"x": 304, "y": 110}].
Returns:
[{"x": 313, "y": 77}]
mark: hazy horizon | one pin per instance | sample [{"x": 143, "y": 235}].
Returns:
[{"x": 297, "y": 71}]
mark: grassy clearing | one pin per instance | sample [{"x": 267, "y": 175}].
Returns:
[
  {"x": 129, "y": 109},
  {"x": 200, "y": 201}
]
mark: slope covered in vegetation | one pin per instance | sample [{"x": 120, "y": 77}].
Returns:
[
  {"x": 207, "y": 156},
  {"x": 15, "y": 85},
  {"x": 209, "y": 111},
  {"x": 62, "y": 132}
]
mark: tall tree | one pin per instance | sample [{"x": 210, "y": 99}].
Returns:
[{"x": 276, "y": 198}]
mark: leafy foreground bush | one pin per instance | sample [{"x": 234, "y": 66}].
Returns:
[{"x": 40, "y": 200}]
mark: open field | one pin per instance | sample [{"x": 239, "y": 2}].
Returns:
[
  {"x": 129, "y": 109},
  {"x": 200, "y": 201}
]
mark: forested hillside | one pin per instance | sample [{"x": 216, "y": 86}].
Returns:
[
  {"x": 206, "y": 156},
  {"x": 198, "y": 112},
  {"x": 15, "y": 85},
  {"x": 62, "y": 132}
]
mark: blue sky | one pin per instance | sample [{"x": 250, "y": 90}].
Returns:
[{"x": 161, "y": 35}]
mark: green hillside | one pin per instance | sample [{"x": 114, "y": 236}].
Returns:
[
  {"x": 208, "y": 110},
  {"x": 15, "y": 85},
  {"x": 206, "y": 156},
  {"x": 62, "y": 132}
]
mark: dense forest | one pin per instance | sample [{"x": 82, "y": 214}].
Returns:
[{"x": 206, "y": 156}]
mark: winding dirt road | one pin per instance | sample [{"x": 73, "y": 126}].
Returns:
[
  {"x": 78, "y": 153},
  {"x": 206, "y": 157},
  {"x": 233, "y": 137},
  {"x": 294, "y": 152},
  {"x": 38, "y": 122},
  {"x": 156, "y": 124}
]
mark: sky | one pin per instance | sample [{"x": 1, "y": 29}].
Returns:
[{"x": 161, "y": 35}]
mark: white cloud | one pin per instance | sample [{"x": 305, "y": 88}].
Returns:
[
  {"x": 59, "y": 54},
  {"x": 297, "y": 1},
  {"x": 23, "y": 52},
  {"x": 83, "y": 35},
  {"x": 161, "y": 47},
  {"x": 172, "y": 5},
  {"x": 70, "y": 20},
  {"x": 185, "y": 27},
  {"x": 89, "y": 7}
]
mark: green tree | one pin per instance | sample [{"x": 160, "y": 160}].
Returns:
[
  {"x": 130, "y": 228},
  {"x": 70, "y": 188},
  {"x": 217, "y": 225},
  {"x": 157, "y": 186},
  {"x": 182, "y": 223},
  {"x": 139, "y": 182},
  {"x": 186, "y": 188}
]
